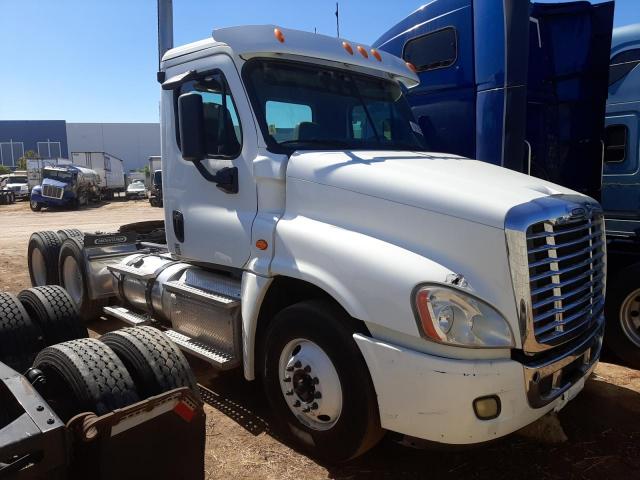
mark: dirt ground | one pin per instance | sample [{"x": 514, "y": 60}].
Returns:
[{"x": 602, "y": 423}]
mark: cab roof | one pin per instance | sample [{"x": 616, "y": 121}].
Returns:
[{"x": 264, "y": 41}]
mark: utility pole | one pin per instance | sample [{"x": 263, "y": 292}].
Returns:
[
  {"x": 337, "y": 19},
  {"x": 165, "y": 28}
]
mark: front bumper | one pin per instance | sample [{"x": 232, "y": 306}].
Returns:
[{"x": 431, "y": 397}]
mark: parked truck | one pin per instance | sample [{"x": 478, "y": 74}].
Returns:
[
  {"x": 35, "y": 166},
  {"x": 110, "y": 171},
  {"x": 525, "y": 86},
  {"x": 315, "y": 242},
  {"x": 621, "y": 193},
  {"x": 66, "y": 186},
  {"x": 17, "y": 183}
]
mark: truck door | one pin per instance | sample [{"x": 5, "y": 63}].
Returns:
[
  {"x": 621, "y": 180},
  {"x": 206, "y": 220},
  {"x": 569, "y": 51}
]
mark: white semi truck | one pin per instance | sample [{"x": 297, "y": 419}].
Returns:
[{"x": 316, "y": 243}]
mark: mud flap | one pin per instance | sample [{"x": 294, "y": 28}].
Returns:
[{"x": 162, "y": 437}]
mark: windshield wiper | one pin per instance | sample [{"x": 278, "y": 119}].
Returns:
[{"x": 317, "y": 141}]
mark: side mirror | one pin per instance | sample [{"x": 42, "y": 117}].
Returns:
[{"x": 191, "y": 120}]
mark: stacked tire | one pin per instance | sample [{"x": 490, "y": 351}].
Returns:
[{"x": 120, "y": 369}]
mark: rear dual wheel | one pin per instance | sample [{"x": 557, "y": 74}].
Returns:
[
  {"x": 42, "y": 258},
  {"x": 623, "y": 316}
]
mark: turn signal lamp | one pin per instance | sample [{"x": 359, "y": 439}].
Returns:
[
  {"x": 411, "y": 67},
  {"x": 347, "y": 47},
  {"x": 278, "y": 34}
]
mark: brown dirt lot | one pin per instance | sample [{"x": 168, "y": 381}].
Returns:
[{"x": 602, "y": 423}]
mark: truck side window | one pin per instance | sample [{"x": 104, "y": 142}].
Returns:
[
  {"x": 622, "y": 63},
  {"x": 615, "y": 141},
  {"x": 220, "y": 115},
  {"x": 284, "y": 119},
  {"x": 434, "y": 50}
]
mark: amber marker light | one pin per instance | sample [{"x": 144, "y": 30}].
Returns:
[
  {"x": 347, "y": 47},
  {"x": 278, "y": 34},
  {"x": 363, "y": 51},
  {"x": 411, "y": 67},
  {"x": 262, "y": 244},
  {"x": 422, "y": 304},
  {"x": 376, "y": 54}
]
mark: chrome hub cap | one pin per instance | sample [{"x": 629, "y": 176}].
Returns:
[
  {"x": 310, "y": 384},
  {"x": 630, "y": 317},
  {"x": 38, "y": 267},
  {"x": 72, "y": 279}
]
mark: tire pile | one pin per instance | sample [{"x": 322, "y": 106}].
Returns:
[{"x": 43, "y": 336}]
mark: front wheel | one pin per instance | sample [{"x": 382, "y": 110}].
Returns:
[
  {"x": 318, "y": 383},
  {"x": 623, "y": 316},
  {"x": 34, "y": 205}
]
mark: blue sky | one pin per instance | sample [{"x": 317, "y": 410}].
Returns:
[{"x": 95, "y": 60}]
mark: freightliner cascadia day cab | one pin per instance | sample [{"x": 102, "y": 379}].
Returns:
[
  {"x": 316, "y": 243},
  {"x": 621, "y": 192},
  {"x": 525, "y": 86}
]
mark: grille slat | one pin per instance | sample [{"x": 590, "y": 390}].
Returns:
[
  {"x": 566, "y": 276},
  {"x": 569, "y": 269},
  {"x": 569, "y": 256}
]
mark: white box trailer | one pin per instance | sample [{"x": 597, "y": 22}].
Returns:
[
  {"x": 35, "y": 166},
  {"x": 154, "y": 165},
  {"x": 110, "y": 169}
]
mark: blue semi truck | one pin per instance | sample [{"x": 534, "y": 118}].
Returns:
[
  {"x": 65, "y": 186},
  {"x": 524, "y": 85}
]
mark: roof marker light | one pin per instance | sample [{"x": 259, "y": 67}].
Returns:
[
  {"x": 411, "y": 67},
  {"x": 363, "y": 51},
  {"x": 376, "y": 54},
  {"x": 278, "y": 34},
  {"x": 347, "y": 47}
]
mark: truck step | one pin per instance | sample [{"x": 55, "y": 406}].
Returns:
[
  {"x": 131, "y": 272},
  {"x": 219, "y": 359},
  {"x": 189, "y": 291},
  {"x": 127, "y": 316}
]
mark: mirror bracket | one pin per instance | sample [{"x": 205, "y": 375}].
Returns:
[{"x": 226, "y": 179}]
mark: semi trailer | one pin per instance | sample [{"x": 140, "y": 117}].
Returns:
[
  {"x": 525, "y": 86},
  {"x": 315, "y": 242},
  {"x": 110, "y": 171}
]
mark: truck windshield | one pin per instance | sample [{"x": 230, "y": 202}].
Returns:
[
  {"x": 59, "y": 175},
  {"x": 17, "y": 180},
  {"x": 311, "y": 107}
]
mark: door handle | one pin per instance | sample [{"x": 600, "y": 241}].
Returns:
[{"x": 226, "y": 179}]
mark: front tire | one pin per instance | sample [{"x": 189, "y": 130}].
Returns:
[
  {"x": 34, "y": 205},
  {"x": 623, "y": 316},
  {"x": 318, "y": 383}
]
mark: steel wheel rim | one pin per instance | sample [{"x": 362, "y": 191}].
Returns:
[
  {"x": 72, "y": 279},
  {"x": 310, "y": 384},
  {"x": 630, "y": 317},
  {"x": 38, "y": 267}
]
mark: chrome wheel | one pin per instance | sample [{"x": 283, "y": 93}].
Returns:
[
  {"x": 310, "y": 384},
  {"x": 38, "y": 267},
  {"x": 630, "y": 317},
  {"x": 72, "y": 279}
]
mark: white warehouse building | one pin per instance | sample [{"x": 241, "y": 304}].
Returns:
[{"x": 132, "y": 142}]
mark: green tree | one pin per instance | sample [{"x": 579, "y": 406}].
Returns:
[
  {"x": 4, "y": 170},
  {"x": 28, "y": 155}
]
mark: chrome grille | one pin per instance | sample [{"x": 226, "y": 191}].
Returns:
[
  {"x": 52, "y": 191},
  {"x": 566, "y": 261}
]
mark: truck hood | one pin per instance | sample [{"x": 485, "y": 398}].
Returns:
[{"x": 441, "y": 183}]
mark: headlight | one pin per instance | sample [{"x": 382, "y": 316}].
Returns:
[{"x": 453, "y": 317}]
